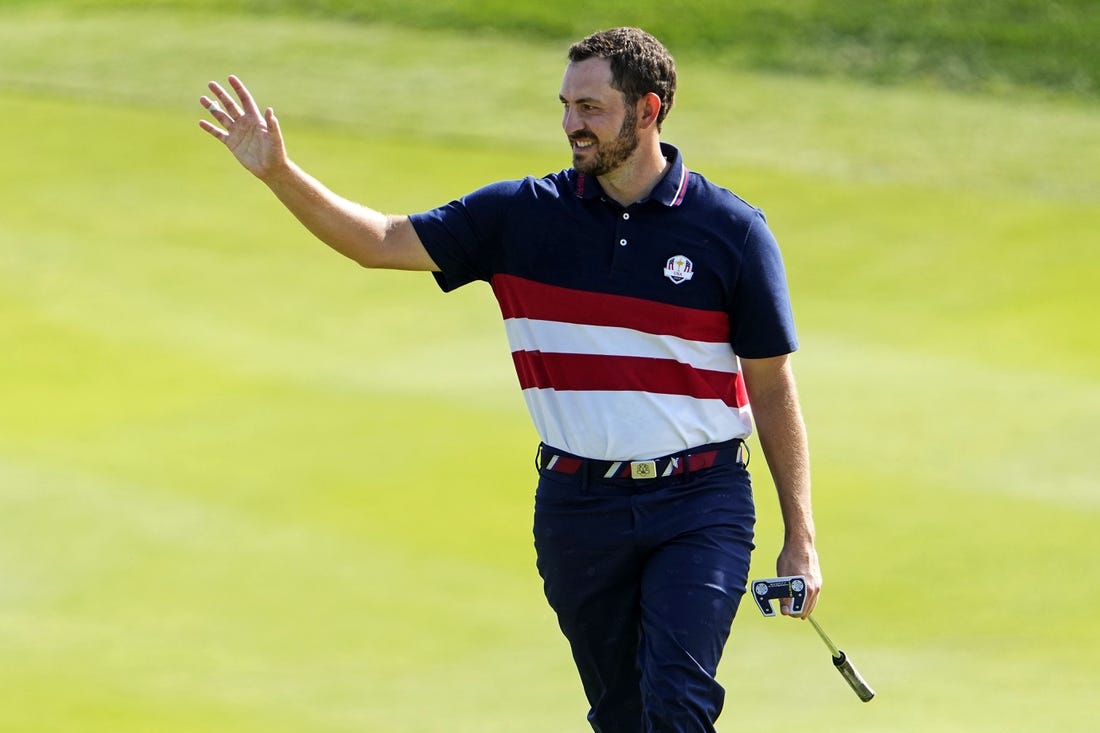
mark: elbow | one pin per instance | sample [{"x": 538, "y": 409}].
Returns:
[{"x": 368, "y": 260}]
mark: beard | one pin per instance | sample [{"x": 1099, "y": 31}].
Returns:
[{"x": 610, "y": 155}]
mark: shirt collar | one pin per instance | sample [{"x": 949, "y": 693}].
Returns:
[{"x": 670, "y": 190}]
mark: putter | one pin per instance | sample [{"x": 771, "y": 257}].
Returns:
[{"x": 794, "y": 587}]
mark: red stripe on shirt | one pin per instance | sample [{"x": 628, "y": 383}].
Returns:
[
  {"x": 522, "y": 298},
  {"x": 683, "y": 188},
  {"x": 592, "y": 372}
]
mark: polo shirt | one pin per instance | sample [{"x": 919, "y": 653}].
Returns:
[{"x": 626, "y": 324}]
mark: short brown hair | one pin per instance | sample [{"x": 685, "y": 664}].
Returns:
[{"x": 640, "y": 64}]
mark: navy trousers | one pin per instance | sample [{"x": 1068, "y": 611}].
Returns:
[{"x": 645, "y": 577}]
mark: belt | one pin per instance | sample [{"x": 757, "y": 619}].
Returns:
[{"x": 696, "y": 459}]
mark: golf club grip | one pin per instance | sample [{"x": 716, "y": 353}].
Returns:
[{"x": 853, "y": 677}]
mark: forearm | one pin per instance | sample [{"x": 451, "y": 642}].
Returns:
[
  {"x": 351, "y": 229},
  {"x": 782, "y": 433}
]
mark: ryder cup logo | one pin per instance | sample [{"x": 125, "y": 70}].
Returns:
[{"x": 678, "y": 269}]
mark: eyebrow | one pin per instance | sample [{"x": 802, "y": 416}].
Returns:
[{"x": 582, "y": 100}]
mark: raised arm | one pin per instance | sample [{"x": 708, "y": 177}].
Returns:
[
  {"x": 367, "y": 236},
  {"x": 778, "y": 416}
]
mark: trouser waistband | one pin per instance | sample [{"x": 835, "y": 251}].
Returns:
[{"x": 694, "y": 459}]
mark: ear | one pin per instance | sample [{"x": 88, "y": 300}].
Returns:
[{"x": 649, "y": 107}]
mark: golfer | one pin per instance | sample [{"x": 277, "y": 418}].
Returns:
[{"x": 650, "y": 325}]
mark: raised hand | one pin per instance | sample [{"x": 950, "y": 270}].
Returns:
[{"x": 253, "y": 137}]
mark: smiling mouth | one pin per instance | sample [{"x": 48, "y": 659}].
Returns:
[{"x": 582, "y": 143}]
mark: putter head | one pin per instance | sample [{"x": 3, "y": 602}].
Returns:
[{"x": 768, "y": 589}]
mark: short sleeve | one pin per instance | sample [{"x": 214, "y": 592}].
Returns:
[
  {"x": 761, "y": 319},
  {"x": 464, "y": 236}
]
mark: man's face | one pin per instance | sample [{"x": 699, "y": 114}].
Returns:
[{"x": 601, "y": 128}]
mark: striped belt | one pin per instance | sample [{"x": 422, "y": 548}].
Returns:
[{"x": 696, "y": 459}]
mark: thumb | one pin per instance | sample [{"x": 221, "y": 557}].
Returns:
[{"x": 275, "y": 131}]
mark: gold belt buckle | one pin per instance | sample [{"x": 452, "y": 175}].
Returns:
[{"x": 643, "y": 469}]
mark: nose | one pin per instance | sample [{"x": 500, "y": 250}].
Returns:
[{"x": 570, "y": 121}]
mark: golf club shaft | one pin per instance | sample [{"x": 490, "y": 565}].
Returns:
[
  {"x": 824, "y": 637},
  {"x": 844, "y": 665}
]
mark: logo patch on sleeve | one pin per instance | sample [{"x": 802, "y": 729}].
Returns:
[{"x": 679, "y": 269}]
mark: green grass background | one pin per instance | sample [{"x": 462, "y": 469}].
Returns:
[
  {"x": 245, "y": 485},
  {"x": 968, "y": 44}
]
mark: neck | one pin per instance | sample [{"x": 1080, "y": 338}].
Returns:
[{"x": 637, "y": 177}]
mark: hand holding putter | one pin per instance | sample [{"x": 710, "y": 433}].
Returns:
[{"x": 794, "y": 587}]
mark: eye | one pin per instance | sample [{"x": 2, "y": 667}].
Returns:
[{"x": 585, "y": 108}]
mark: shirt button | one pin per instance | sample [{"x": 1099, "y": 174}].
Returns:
[
  {"x": 626, "y": 216},
  {"x": 622, "y": 242}
]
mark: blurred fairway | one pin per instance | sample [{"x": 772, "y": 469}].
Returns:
[{"x": 247, "y": 486}]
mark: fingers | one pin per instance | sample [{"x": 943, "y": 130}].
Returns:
[
  {"x": 244, "y": 95},
  {"x": 810, "y": 604},
  {"x": 229, "y": 106},
  {"x": 215, "y": 111},
  {"x": 218, "y": 115},
  {"x": 224, "y": 109},
  {"x": 216, "y": 132},
  {"x": 813, "y": 590},
  {"x": 807, "y": 586}
]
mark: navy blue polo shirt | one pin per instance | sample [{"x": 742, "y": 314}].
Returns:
[{"x": 626, "y": 323}]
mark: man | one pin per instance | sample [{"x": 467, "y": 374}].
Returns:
[{"x": 646, "y": 310}]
